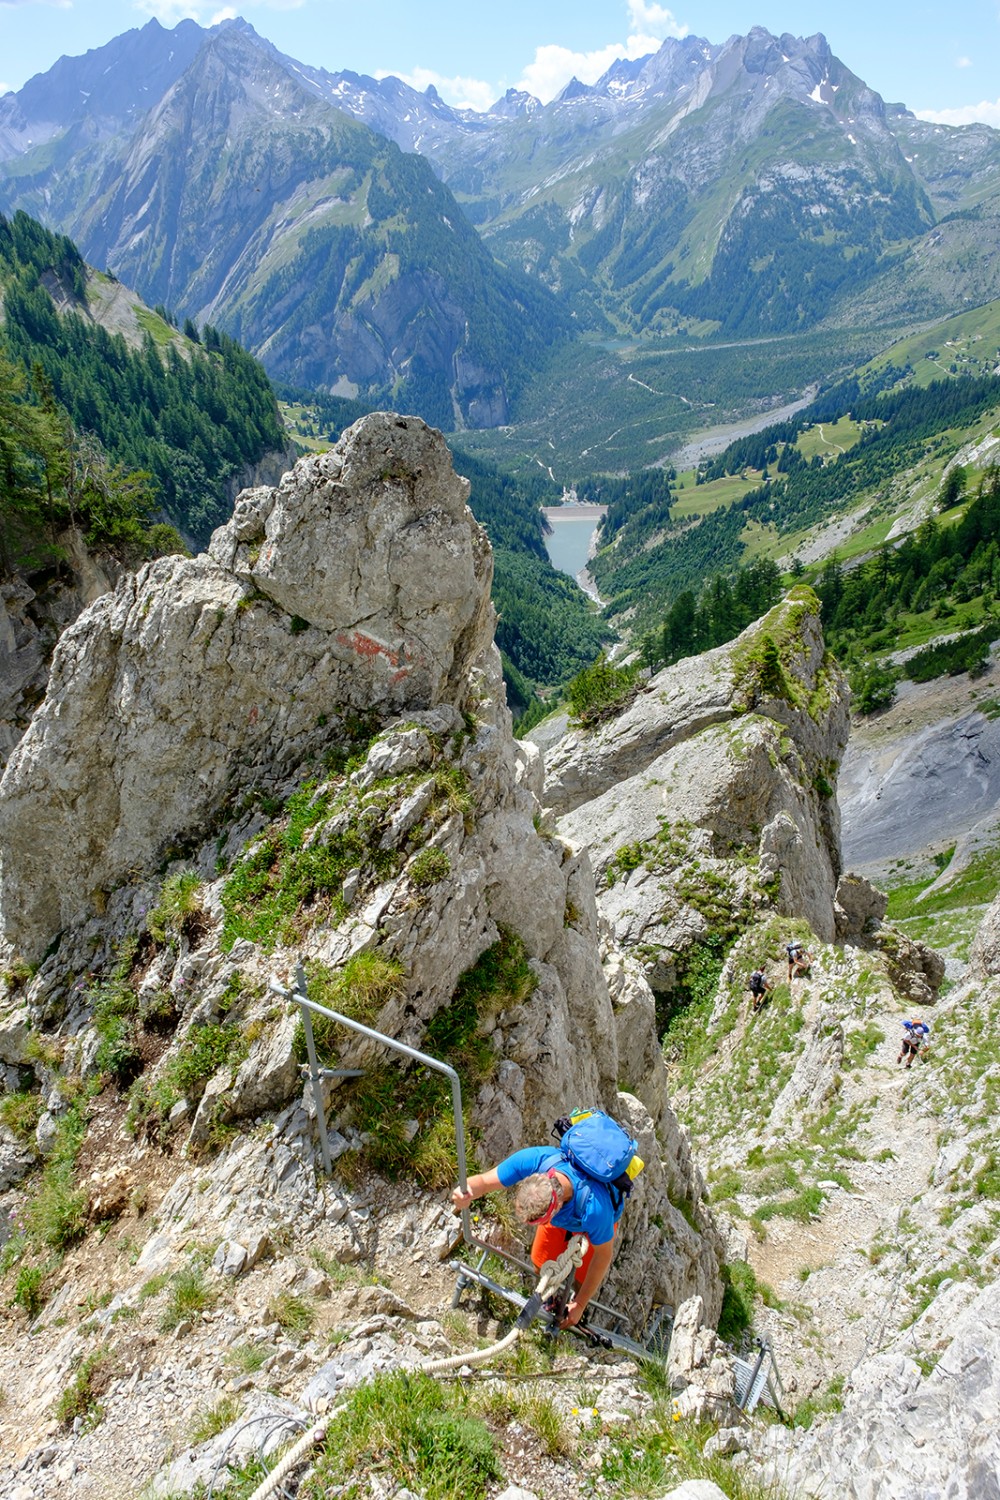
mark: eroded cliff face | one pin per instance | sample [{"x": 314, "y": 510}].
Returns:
[
  {"x": 712, "y": 799},
  {"x": 33, "y": 615},
  {"x": 337, "y": 635}
]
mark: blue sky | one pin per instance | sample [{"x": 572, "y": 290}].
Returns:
[{"x": 940, "y": 60}]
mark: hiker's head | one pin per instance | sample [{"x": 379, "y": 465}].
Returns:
[{"x": 537, "y": 1198}]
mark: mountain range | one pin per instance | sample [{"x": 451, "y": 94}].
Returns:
[{"x": 365, "y": 238}]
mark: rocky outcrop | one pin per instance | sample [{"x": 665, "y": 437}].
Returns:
[
  {"x": 858, "y": 908},
  {"x": 713, "y": 795},
  {"x": 984, "y": 959},
  {"x": 345, "y": 613},
  {"x": 200, "y": 678},
  {"x": 33, "y": 614},
  {"x": 902, "y": 1436},
  {"x": 700, "y": 1368}
]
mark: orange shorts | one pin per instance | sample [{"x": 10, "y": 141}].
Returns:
[{"x": 550, "y": 1242}]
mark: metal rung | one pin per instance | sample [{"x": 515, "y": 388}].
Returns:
[
  {"x": 609, "y": 1337},
  {"x": 753, "y": 1380}
]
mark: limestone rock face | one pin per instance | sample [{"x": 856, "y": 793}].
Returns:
[
  {"x": 916, "y": 971},
  {"x": 714, "y": 791},
  {"x": 903, "y": 1437},
  {"x": 984, "y": 959},
  {"x": 31, "y": 619},
  {"x": 700, "y": 1368},
  {"x": 356, "y": 591},
  {"x": 360, "y": 584},
  {"x": 858, "y": 907}
]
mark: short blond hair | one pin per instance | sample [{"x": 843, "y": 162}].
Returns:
[{"x": 533, "y": 1196}]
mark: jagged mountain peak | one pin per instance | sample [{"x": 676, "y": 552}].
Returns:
[
  {"x": 515, "y": 104},
  {"x": 101, "y": 90}
]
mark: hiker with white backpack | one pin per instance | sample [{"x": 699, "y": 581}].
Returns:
[{"x": 577, "y": 1187}]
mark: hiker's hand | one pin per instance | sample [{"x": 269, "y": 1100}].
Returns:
[
  {"x": 574, "y": 1313},
  {"x": 462, "y": 1199}
]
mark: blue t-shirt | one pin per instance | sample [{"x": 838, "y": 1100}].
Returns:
[{"x": 589, "y": 1210}]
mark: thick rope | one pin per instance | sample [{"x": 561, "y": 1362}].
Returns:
[
  {"x": 476, "y": 1357},
  {"x": 294, "y": 1456},
  {"x": 554, "y": 1272},
  {"x": 550, "y": 1278}
]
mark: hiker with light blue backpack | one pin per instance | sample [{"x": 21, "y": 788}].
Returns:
[{"x": 577, "y": 1187}]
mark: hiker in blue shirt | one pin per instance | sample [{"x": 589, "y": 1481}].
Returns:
[
  {"x": 558, "y": 1200},
  {"x": 913, "y": 1041}
]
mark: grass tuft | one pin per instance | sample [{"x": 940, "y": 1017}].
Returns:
[{"x": 414, "y": 1432}]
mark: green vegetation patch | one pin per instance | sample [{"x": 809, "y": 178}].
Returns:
[
  {"x": 204, "y": 1050},
  {"x": 80, "y": 1398},
  {"x": 56, "y": 1216},
  {"x": 20, "y": 1113},
  {"x": 766, "y": 667},
  {"x": 600, "y": 691},
  {"x": 948, "y": 917},
  {"x": 739, "y": 1283},
  {"x": 414, "y": 1430},
  {"x": 390, "y": 1096},
  {"x": 360, "y": 990},
  {"x": 178, "y": 902},
  {"x": 667, "y": 848},
  {"x": 292, "y": 876},
  {"x": 115, "y": 1016},
  {"x": 659, "y": 1452},
  {"x": 282, "y": 884},
  {"x": 189, "y": 1296}
]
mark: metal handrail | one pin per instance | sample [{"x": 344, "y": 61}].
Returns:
[{"x": 299, "y": 994}]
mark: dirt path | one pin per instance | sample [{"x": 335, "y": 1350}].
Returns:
[{"x": 839, "y": 1276}]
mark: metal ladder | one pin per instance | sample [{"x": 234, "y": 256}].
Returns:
[{"x": 654, "y": 1339}]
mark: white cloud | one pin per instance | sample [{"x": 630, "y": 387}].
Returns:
[
  {"x": 655, "y": 18},
  {"x": 986, "y": 113},
  {"x": 169, "y": 12},
  {"x": 461, "y": 93},
  {"x": 963, "y": 62},
  {"x": 553, "y": 66},
  {"x": 6, "y": 88}
]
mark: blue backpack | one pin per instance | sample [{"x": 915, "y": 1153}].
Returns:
[{"x": 599, "y": 1147}]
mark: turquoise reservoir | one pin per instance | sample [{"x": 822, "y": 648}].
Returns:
[{"x": 569, "y": 541}]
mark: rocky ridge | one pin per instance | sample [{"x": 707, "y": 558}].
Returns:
[
  {"x": 314, "y": 707},
  {"x": 713, "y": 796},
  {"x": 859, "y": 1196}
]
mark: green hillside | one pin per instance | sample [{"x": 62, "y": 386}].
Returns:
[
  {"x": 894, "y": 447},
  {"x": 967, "y": 344},
  {"x": 193, "y": 412}
]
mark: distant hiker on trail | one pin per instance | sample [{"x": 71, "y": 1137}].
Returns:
[
  {"x": 760, "y": 987},
  {"x": 914, "y": 1040},
  {"x": 799, "y": 958},
  {"x": 559, "y": 1198}
]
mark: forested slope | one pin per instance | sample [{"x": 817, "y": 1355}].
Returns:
[
  {"x": 193, "y": 411},
  {"x": 653, "y": 557}
]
